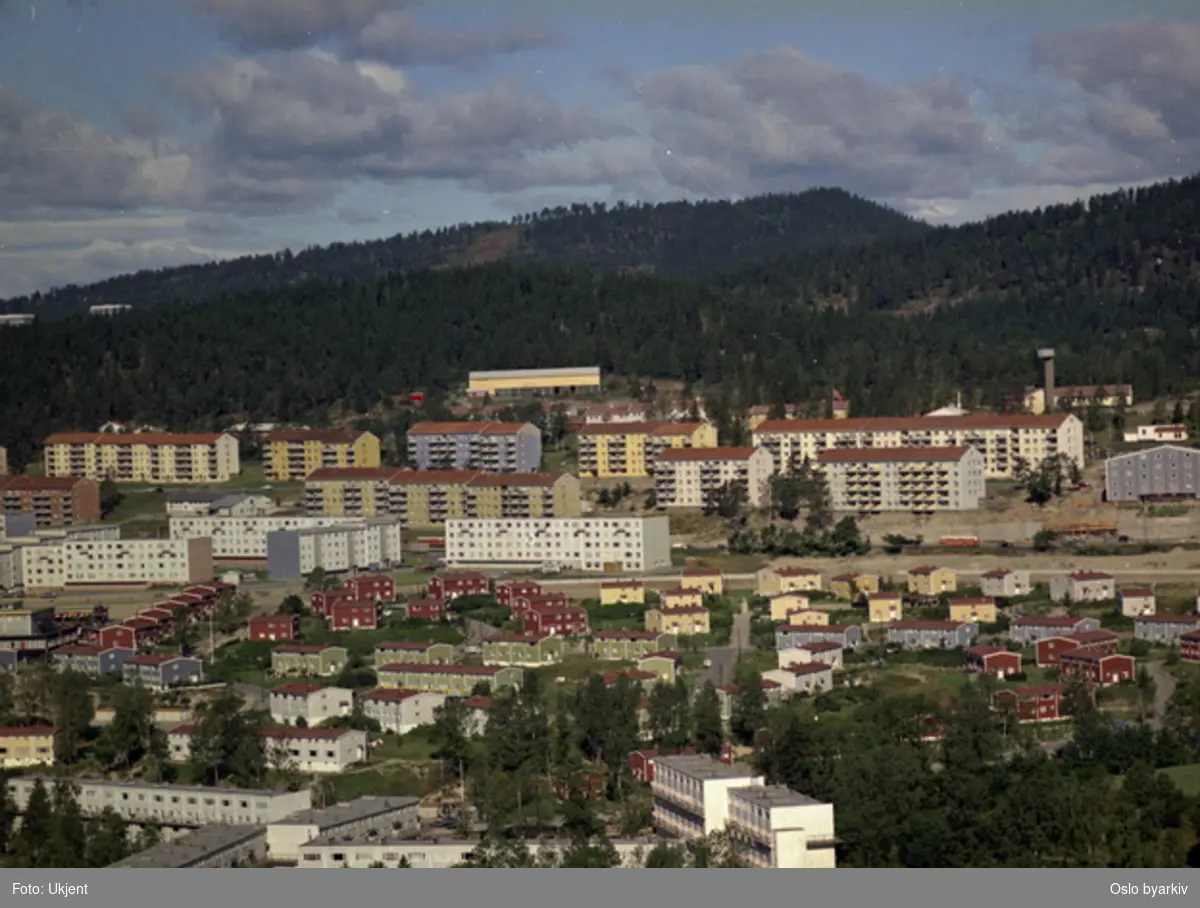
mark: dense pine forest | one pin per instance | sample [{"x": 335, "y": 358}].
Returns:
[
  {"x": 671, "y": 239},
  {"x": 1112, "y": 284}
]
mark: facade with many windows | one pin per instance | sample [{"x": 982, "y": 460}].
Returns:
[
  {"x": 146, "y": 457},
  {"x": 917, "y": 480},
  {"x": 691, "y": 477},
  {"x": 629, "y": 450},
  {"x": 292, "y": 454},
  {"x": 592, "y": 544},
  {"x": 1162, "y": 472},
  {"x": 488, "y": 447}
]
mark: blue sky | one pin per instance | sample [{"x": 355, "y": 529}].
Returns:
[{"x": 141, "y": 134}]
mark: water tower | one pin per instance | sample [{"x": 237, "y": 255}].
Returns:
[{"x": 1046, "y": 355}]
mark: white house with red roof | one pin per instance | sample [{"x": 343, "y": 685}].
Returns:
[
  {"x": 1083, "y": 586},
  {"x": 400, "y": 711},
  {"x": 1138, "y": 602},
  {"x": 309, "y": 704}
]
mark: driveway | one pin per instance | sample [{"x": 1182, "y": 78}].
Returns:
[
  {"x": 1165, "y": 685},
  {"x": 724, "y": 658}
]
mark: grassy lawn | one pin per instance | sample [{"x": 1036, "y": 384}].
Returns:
[
  {"x": 314, "y": 630},
  {"x": 416, "y": 745},
  {"x": 713, "y": 558},
  {"x": 399, "y": 781},
  {"x": 1187, "y": 777}
]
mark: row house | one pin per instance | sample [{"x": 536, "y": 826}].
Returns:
[
  {"x": 630, "y": 450},
  {"x": 425, "y": 609},
  {"x": 556, "y": 620},
  {"x": 1096, "y": 666},
  {"x": 850, "y": 586},
  {"x": 308, "y": 660},
  {"x": 1043, "y": 703},
  {"x": 1049, "y": 650},
  {"x": 1189, "y": 647},
  {"x": 824, "y": 651},
  {"x": 630, "y": 645},
  {"x": 683, "y": 621},
  {"x": 1028, "y": 629},
  {"x": 456, "y": 680},
  {"x": 93, "y": 661},
  {"x": 450, "y": 586},
  {"x": 980, "y": 609},
  {"x": 774, "y": 581},
  {"x": 884, "y": 606},
  {"x": 807, "y": 616},
  {"x": 704, "y": 580},
  {"x": 322, "y": 600},
  {"x": 401, "y": 711},
  {"x": 932, "y": 634},
  {"x": 373, "y": 587},
  {"x": 345, "y": 615},
  {"x": 1005, "y": 584},
  {"x": 680, "y": 597},
  {"x": 1083, "y": 586},
  {"x": 309, "y": 704},
  {"x": 525, "y": 650},
  {"x": 274, "y": 627},
  {"x": 622, "y": 592},
  {"x": 993, "y": 661},
  {"x": 930, "y": 580},
  {"x": 419, "y": 651},
  {"x": 1138, "y": 602},
  {"x": 162, "y": 672},
  {"x": 321, "y": 751},
  {"x": 802, "y": 678},
  {"x": 781, "y": 605},
  {"x": 1164, "y": 629},
  {"x": 509, "y": 591},
  {"x": 525, "y": 603},
  {"x": 790, "y": 636}
]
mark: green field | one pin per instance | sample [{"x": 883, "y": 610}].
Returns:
[{"x": 1187, "y": 777}]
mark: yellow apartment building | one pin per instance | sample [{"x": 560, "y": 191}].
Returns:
[
  {"x": 1080, "y": 396},
  {"x": 885, "y": 607},
  {"x": 292, "y": 454},
  {"x": 709, "y": 581},
  {"x": 3, "y": 461},
  {"x": 975, "y": 608},
  {"x": 628, "y": 450},
  {"x": 782, "y": 604},
  {"x": 1004, "y": 440},
  {"x": 849, "y": 586},
  {"x": 682, "y": 597},
  {"x": 430, "y": 497},
  {"x": 929, "y": 580},
  {"x": 144, "y": 457},
  {"x": 622, "y": 592},
  {"x": 30, "y": 745},
  {"x": 682, "y": 621},
  {"x": 809, "y": 617},
  {"x": 773, "y": 581}
]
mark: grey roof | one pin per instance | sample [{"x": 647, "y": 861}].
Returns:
[
  {"x": 194, "y": 848},
  {"x": 774, "y": 796},
  {"x": 340, "y": 814},
  {"x": 703, "y": 766},
  {"x": 156, "y": 786},
  {"x": 205, "y": 496}
]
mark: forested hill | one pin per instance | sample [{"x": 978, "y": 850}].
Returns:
[
  {"x": 1131, "y": 240},
  {"x": 675, "y": 238}
]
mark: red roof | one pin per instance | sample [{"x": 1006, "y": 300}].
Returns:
[
  {"x": 626, "y": 635},
  {"x": 1046, "y": 621},
  {"x": 892, "y": 455},
  {"x": 133, "y": 438},
  {"x": 633, "y": 674},
  {"x": 79, "y": 650},
  {"x": 1041, "y": 690},
  {"x": 432, "y": 477},
  {"x": 820, "y": 646},
  {"x": 528, "y": 639},
  {"x": 974, "y": 600},
  {"x": 1090, "y": 654},
  {"x": 1171, "y": 619},
  {"x": 516, "y": 480},
  {"x": 1138, "y": 591},
  {"x": 997, "y": 573},
  {"x": 915, "y": 423},
  {"x": 389, "y": 694},
  {"x": 466, "y": 428},
  {"x": 924, "y": 570},
  {"x": 700, "y": 572},
  {"x": 684, "y": 610},
  {"x": 797, "y": 572},
  {"x": 41, "y": 483},
  {"x": 926, "y": 625},
  {"x": 150, "y": 659},
  {"x": 352, "y": 474},
  {"x": 815, "y": 628},
  {"x": 303, "y": 649},
  {"x": 622, "y": 585},
  {"x": 135, "y": 623},
  {"x": 25, "y": 731},
  {"x": 701, "y": 454},
  {"x": 414, "y": 646},
  {"x": 422, "y": 669},
  {"x": 674, "y": 655},
  {"x": 807, "y": 668},
  {"x": 845, "y": 578},
  {"x": 297, "y": 689},
  {"x": 478, "y": 702},
  {"x": 322, "y": 734},
  {"x": 1090, "y": 575},
  {"x": 325, "y": 436},
  {"x": 641, "y": 428}
]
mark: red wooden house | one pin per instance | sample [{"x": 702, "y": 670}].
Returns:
[
  {"x": 376, "y": 587},
  {"x": 993, "y": 660},
  {"x": 348, "y": 616},
  {"x": 425, "y": 609},
  {"x": 1044, "y": 703},
  {"x": 274, "y": 627},
  {"x": 447, "y": 587},
  {"x": 322, "y": 601},
  {"x": 561, "y": 620},
  {"x": 1095, "y": 666},
  {"x": 1050, "y": 649},
  {"x": 1189, "y": 647},
  {"x": 507, "y": 592}
]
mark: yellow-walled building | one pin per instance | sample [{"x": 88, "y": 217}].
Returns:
[
  {"x": 783, "y": 604},
  {"x": 708, "y": 581},
  {"x": 885, "y": 607},
  {"x": 628, "y": 450},
  {"x": 682, "y": 622},
  {"x": 30, "y": 745},
  {"x": 773, "y": 581},
  {"x": 682, "y": 597},
  {"x": 849, "y": 586},
  {"x": 977, "y": 608},
  {"x": 292, "y": 454},
  {"x": 622, "y": 592},
  {"x": 145, "y": 457},
  {"x": 517, "y": 382},
  {"x": 809, "y": 617},
  {"x": 930, "y": 581}
]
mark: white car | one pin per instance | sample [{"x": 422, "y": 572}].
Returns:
[{"x": 708, "y": 663}]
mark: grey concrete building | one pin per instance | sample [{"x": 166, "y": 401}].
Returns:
[
  {"x": 1165, "y": 629},
  {"x": 93, "y": 661},
  {"x": 790, "y": 636},
  {"x": 1165, "y": 471},
  {"x": 491, "y": 447},
  {"x": 1083, "y": 586},
  {"x": 1029, "y": 629},
  {"x": 219, "y": 845},
  {"x": 397, "y": 816},
  {"x": 932, "y": 634},
  {"x": 163, "y": 671}
]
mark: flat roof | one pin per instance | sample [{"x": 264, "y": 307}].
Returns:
[
  {"x": 204, "y": 842},
  {"x": 535, "y": 373},
  {"x": 157, "y": 786},
  {"x": 350, "y": 812},
  {"x": 773, "y": 796},
  {"x": 703, "y": 766}
]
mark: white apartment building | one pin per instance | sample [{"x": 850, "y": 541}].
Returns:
[
  {"x": 1083, "y": 586},
  {"x": 145, "y": 457},
  {"x": 245, "y": 538},
  {"x": 917, "y": 480},
  {"x": 688, "y": 477},
  {"x": 592, "y": 544},
  {"x": 314, "y": 703},
  {"x": 176, "y": 806},
  {"x": 361, "y": 817},
  {"x": 116, "y": 562},
  {"x": 781, "y": 828},
  {"x": 400, "y": 711},
  {"x": 334, "y": 851},
  {"x": 691, "y": 794},
  {"x": 200, "y": 503},
  {"x": 354, "y": 544},
  {"x": 1159, "y": 434},
  {"x": 315, "y": 750},
  {"x": 1005, "y": 440},
  {"x": 1003, "y": 583},
  {"x": 802, "y": 678}
]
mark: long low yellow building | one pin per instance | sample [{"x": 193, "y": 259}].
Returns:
[
  {"x": 146, "y": 457},
  {"x": 629, "y": 450},
  {"x": 292, "y": 454},
  {"x": 30, "y": 745},
  {"x": 431, "y": 497},
  {"x": 504, "y": 382}
]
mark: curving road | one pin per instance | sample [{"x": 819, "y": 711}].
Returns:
[{"x": 724, "y": 658}]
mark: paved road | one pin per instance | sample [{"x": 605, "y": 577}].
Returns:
[{"x": 724, "y": 658}]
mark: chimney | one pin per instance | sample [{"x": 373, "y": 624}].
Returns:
[{"x": 1046, "y": 355}]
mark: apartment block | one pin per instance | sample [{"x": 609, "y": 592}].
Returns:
[
  {"x": 414, "y": 651},
  {"x": 524, "y": 650},
  {"x": 174, "y": 806},
  {"x": 310, "y": 703},
  {"x": 400, "y": 711},
  {"x": 430, "y": 498},
  {"x": 781, "y": 828},
  {"x": 245, "y": 538},
  {"x": 456, "y": 680},
  {"x": 692, "y": 793},
  {"x": 590, "y": 544},
  {"x": 216, "y": 846},
  {"x": 144, "y": 457},
  {"x": 1162, "y": 472},
  {"x": 629, "y": 646},
  {"x": 1003, "y": 583},
  {"x": 308, "y": 660},
  {"x": 692, "y": 477},
  {"x": 929, "y": 580},
  {"x": 315, "y": 750},
  {"x": 1004, "y": 440},
  {"x": 369, "y": 816},
  {"x": 1118, "y": 395},
  {"x": 917, "y": 480},
  {"x": 116, "y": 562},
  {"x": 26, "y": 745},
  {"x": 771, "y": 581},
  {"x": 369, "y": 544},
  {"x": 291, "y": 455},
  {"x": 1083, "y": 586},
  {"x": 629, "y": 450},
  {"x": 489, "y": 447},
  {"x": 54, "y": 501}
]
